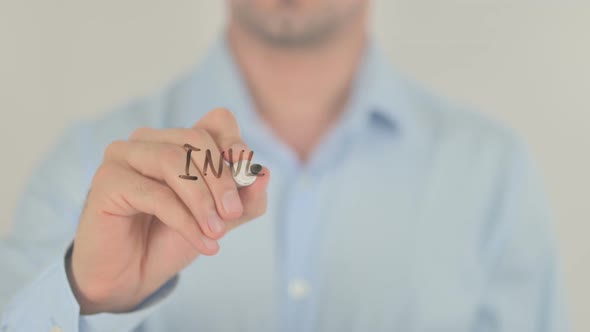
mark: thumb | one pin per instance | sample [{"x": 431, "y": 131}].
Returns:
[{"x": 254, "y": 199}]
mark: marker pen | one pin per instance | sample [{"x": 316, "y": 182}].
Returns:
[{"x": 245, "y": 177}]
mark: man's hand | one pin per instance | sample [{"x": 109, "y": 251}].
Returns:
[{"x": 142, "y": 224}]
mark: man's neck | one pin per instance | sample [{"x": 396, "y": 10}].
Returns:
[{"x": 300, "y": 92}]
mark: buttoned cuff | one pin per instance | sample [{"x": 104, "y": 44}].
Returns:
[
  {"x": 130, "y": 320},
  {"x": 48, "y": 304}
]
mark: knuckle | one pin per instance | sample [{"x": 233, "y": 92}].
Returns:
[
  {"x": 112, "y": 150},
  {"x": 202, "y": 197},
  {"x": 105, "y": 172},
  {"x": 172, "y": 155},
  {"x": 139, "y": 133},
  {"x": 222, "y": 114},
  {"x": 165, "y": 195},
  {"x": 144, "y": 188},
  {"x": 195, "y": 136},
  {"x": 218, "y": 117}
]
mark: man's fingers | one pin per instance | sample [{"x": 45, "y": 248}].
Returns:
[
  {"x": 215, "y": 135},
  {"x": 222, "y": 125},
  {"x": 166, "y": 163},
  {"x": 254, "y": 198},
  {"x": 207, "y": 158},
  {"x": 132, "y": 194}
]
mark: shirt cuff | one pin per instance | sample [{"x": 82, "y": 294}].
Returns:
[
  {"x": 49, "y": 304},
  {"x": 130, "y": 320}
]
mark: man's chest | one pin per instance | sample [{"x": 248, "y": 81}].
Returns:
[{"x": 393, "y": 247}]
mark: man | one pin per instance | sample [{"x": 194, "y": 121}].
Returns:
[{"x": 387, "y": 209}]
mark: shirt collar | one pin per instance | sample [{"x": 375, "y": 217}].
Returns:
[{"x": 380, "y": 96}]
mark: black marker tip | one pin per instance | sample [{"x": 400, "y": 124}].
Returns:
[{"x": 255, "y": 169}]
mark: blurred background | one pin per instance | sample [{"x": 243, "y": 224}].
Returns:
[{"x": 526, "y": 62}]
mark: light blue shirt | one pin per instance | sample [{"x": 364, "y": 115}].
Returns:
[{"x": 411, "y": 215}]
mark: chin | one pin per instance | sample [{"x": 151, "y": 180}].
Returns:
[{"x": 295, "y": 22}]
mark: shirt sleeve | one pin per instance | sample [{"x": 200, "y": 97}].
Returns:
[
  {"x": 523, "y": 291},
  {"x": 48, "y": 304},
  {"x": 35, "y": 294}
]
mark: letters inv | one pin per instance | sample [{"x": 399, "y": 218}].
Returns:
[{"x": 209, "y": 163}]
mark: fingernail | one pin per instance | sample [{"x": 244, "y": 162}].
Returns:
[
  {"x": 231, "y": 202},
  {"x": 210, "y": 244},
  {"x": 215, "y": 223}
]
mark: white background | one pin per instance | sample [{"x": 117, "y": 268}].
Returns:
[{"x": 525, "y": 61}]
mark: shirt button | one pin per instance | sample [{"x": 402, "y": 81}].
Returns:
[
  {"x": 298, "y": 289},
  {"x": 306, "y": 181},
  {"x": 56, "y": 329}
]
